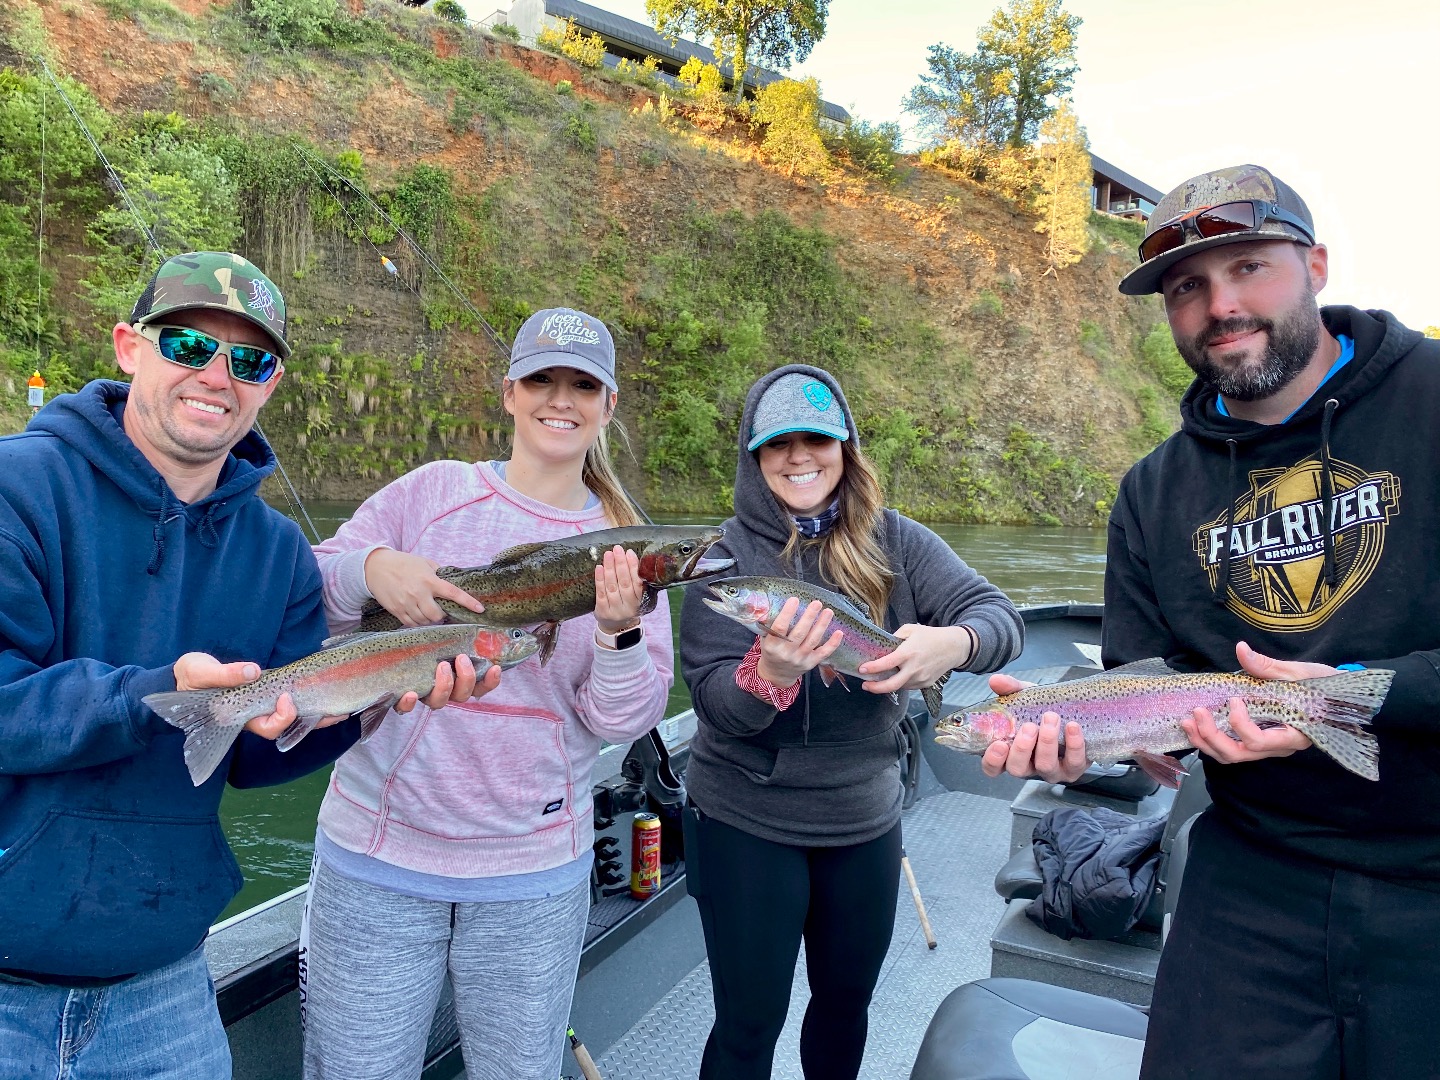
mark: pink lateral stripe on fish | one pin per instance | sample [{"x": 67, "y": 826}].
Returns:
[{"x": 1134, "y": 713}]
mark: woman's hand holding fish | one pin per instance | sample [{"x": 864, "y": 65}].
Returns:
[
  {"x": 453, "y": 683},
  {"x": 1035, "y": 751},
  {"x": 924, "y": 654},
  {"x": 1254, "y": 742},
  {"x": 619, "y": 590},
  {"x": 786, "y": 655},
  {"x": 406, "y": 586}
]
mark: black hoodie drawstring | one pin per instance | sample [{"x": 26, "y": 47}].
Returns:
[
  {"x": 1222, "y": 589},
  {"x": 208, "y": 536},
  {"x": 158, "y": 555},
  {"x": 1327, "y": 492}
]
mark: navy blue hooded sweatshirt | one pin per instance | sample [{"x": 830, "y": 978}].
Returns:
[{"x": 113, "y": 862}]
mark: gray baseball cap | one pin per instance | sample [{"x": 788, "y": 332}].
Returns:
[
  {"x": 563, "y": 337},
  {"x": 797, "y": 402},
  {"x": 1238, "y": 183}
]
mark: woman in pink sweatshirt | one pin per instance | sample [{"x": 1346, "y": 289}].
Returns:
[{"x": 460, "y": 841}]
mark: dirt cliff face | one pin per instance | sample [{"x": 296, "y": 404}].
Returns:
[{"x": 1052, "y": 356}]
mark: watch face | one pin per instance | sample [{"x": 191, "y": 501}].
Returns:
[{"x": 627, "y": 638}]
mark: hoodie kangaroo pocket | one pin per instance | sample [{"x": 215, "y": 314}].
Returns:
[
  {"x": 835, "y": 765},
  {"x": 93, "y": 893},
  {"x": 484, "y": 773}
]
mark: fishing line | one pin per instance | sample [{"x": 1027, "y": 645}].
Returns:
[
  {"x": 291, "y": 494},
  {"x": 40, "y": 232}
]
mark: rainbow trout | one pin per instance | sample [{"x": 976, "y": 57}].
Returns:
[
  {"x": 367, "y": 674},
  {"x": 756, "y": 601},
  {"x": 541, "y": 585},
  {"x": 1134, "y": 713}
]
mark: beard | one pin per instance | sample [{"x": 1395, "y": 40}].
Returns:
[{"x": 1291, "y": 341}]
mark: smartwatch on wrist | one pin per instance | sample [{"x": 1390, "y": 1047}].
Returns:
[{"x": 622, "y": 639}]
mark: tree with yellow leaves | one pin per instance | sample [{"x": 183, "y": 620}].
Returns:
[{"x": 1065, "y": 174}]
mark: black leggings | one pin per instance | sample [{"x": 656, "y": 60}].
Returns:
[{"x": 757, "y": 899}]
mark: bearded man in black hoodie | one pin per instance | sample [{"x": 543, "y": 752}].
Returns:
[{"x": 1298, "y": 511}]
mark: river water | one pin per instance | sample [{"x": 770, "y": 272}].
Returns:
[{"x": 272, "y": 830}]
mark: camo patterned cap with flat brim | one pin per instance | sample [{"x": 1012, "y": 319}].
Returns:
[
  {"x": 1234, "y": 184},
  {"x": 219, "y": 280}
]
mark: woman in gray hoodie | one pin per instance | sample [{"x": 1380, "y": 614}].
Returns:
[{"x": 793, "y": 827}]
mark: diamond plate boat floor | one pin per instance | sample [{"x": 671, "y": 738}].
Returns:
[{"x": 956, "y": 841}]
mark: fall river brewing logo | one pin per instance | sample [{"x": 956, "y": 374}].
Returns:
[{"x": 1277, "y": 553}]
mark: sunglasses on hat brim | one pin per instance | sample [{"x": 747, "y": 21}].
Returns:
[
  {"x": 195, "y": 349},
  {"x": 1246, "y": 215}
]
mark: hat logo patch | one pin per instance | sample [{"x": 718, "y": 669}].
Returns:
[
  {"x": 818, "y": 394},
  {"x": 564, "y": 328},
  {"x": 261, "y": 299}
]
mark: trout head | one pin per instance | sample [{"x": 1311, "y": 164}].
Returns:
[
  {"x": 973, "y": 730},
  {"x": 745, "y": 600},
  {"x": 677, "y": 555},
  {"x": 505, "y": 647}
]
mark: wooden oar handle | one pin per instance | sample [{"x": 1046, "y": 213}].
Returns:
[{"x": 919, "y": 903}]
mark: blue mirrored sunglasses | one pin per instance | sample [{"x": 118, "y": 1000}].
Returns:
[{"x": 193, "y": 348}]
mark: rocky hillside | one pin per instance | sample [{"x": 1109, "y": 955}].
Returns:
[{"x": 989, "y": 390}]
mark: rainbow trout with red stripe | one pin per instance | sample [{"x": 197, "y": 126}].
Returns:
[
  {"x": 1134, "y": 712},
  {"x": 756, "y": 601},
  {"x": 542, "y": 584},
  {"x": 366, "y": 674}
]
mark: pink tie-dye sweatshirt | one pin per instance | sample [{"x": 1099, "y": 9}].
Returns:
[{"x": 498, "y": 785}]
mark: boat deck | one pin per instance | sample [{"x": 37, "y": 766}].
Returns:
[{"x": 955, "y": 841}]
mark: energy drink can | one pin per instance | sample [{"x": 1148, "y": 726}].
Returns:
[{"x": 645, "y": 856}]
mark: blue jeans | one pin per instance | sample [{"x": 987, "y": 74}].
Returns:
[{"x": 162, "y": 1025}]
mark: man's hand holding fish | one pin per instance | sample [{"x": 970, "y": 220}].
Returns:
[
  {"x": 1255, "y": 742},
  {"x": 201, "y": 671}
]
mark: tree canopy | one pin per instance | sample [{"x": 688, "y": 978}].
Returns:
[
  {"x": 776, "y": 32},
  {"x": 1002, "y": 92}
]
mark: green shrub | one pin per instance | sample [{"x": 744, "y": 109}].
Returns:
[
  {"x": 588, "y": 52},
  {"x": 565, "y": 88},
  {"x": 872, "y": 148},
  {"x": 789, "y": 111},
  {"x": 1123, "y": 232},
  {"x": 294, "y": 22},
  {"x": 504, "y": 30},
  {"x": 450, "y": 11},
  {"x": 217, "y": 88},
  {"x": 580, "y": 134},
  {"x": 1165, "y": 360},
  {"x": 988, "y": 304},
  {"x": 1006, "y": 172}
]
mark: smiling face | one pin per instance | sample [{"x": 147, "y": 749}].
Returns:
[
  {"x": 559, "y": 413},
  {"x": 1244, "y": 315},
  {"x": 803, "y": 469},
  {"x": 180, "y": 418}
]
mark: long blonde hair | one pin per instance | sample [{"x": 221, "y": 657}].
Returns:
[
  {"x": 598, "y": 474},
  {"x": 852, "y": 560}
]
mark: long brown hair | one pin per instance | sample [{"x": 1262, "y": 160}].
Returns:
[{"x": 852, "y": 559}]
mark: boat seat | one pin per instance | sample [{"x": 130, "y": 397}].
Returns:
[
  {"x": 1014, "y": 1029},
  {"x": 1019, "y": 878}
]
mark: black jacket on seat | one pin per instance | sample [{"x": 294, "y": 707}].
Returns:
[{"x": 1099, "y": 870}]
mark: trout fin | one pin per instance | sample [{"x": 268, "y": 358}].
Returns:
[
  {"x": 934, "y": 701},
  {"x": 829, "y": 675},
  {"x": 547, "y": 633},
  {"x": 1161, "y": 768},
  {"x": 208, "y": 737},
  {"x": 345, "y": 639},
  {"x": 1351, "y": 698},
  {"x": 647, "y": 602},
  {"x": 1153, "y": 668},
  {"x": 298, "y": 729},
  {"x": 371, "y": 716},
  {"x": 516, "y": 553}
]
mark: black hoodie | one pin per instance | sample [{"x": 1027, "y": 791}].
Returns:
[
  {"x": 1363, "y": 453},
  {"x": 824, "y": 772}
]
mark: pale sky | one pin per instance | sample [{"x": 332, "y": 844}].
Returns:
[{"x": 1340, "y": 100}]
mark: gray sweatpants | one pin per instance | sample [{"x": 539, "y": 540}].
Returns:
[{"x": 377, "y": 964}]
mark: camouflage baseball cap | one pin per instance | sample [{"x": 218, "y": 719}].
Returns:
[
  {"x": 1235, "y": 184},
  {"x": 214, "y": 279}
]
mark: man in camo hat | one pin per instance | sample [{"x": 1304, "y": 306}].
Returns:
[{"x": 132, "y": 533}]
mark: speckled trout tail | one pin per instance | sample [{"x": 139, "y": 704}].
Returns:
[
  {"x": 541, "y": 585},
  {"x": 756, "y": 601},
  {"x": 365, "y": 675},
  {"x": 1134, "y": 713}
]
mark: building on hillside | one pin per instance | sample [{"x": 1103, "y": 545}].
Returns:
[
  {"x": 626, "y": 39},
  {"x": 1119, "y": 193}
]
